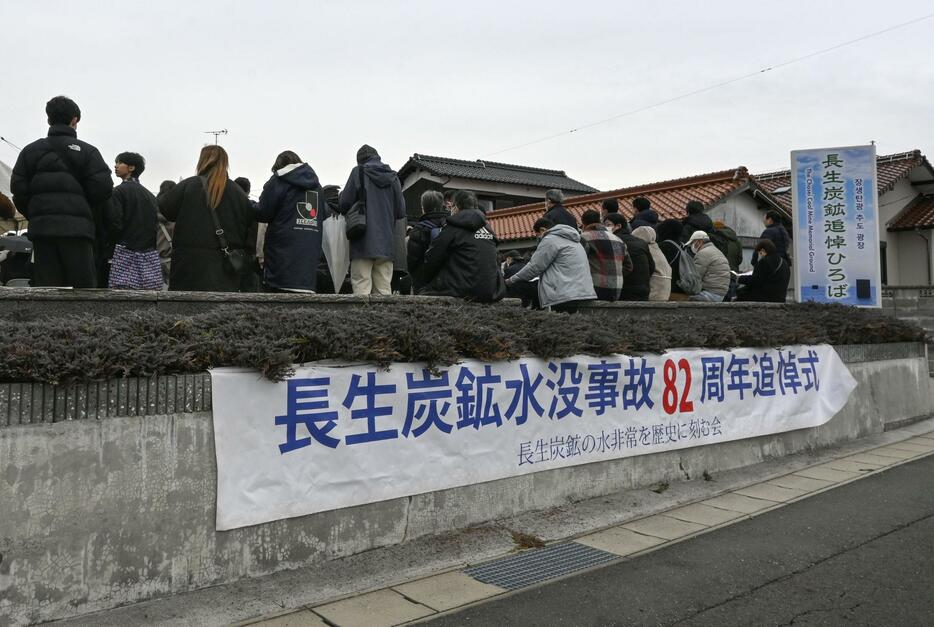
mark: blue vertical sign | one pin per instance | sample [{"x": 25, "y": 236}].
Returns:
[{"x": 836, "y": 226}]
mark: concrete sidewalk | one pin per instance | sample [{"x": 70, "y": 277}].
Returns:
[{"x": 429, "y": 576}]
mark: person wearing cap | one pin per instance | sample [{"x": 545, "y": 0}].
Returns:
[
  {"x": 371, "y": 255},
  {"x": 712, "y": 268},
  {"x": 556, "y": 212}
]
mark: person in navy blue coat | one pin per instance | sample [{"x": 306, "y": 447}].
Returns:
[
  {"x": 293, "y": 204},
  {"x": 371, "y": 256}
]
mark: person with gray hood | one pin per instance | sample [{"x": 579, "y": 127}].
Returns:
[
  {"x": 561, "y": 264},
  {"x": 660, "y": 281},
  {"x": 371, "y": 255}
]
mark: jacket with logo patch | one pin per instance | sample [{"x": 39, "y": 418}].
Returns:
[
  {"x": 292, "y": 250},
  {"x": 462, "y": 261},
  {"x": 58, "y": 200}
]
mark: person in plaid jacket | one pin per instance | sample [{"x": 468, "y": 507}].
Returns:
[{"x": 607, "y": 255}]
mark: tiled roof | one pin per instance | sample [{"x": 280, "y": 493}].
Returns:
[
  {"x": 494, "y": 173},
  {"x": 668, "y": 200},
  {"x": 918, "y": 214},
  {"x": 890, "y": 170}
]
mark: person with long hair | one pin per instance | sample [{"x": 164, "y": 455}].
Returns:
[
  {"x": 198, "y": 261},
  {"x": 294, "y": 206}
]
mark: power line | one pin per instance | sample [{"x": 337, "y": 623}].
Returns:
[{"x": 715, "y": 86}]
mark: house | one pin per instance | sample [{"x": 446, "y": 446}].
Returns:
[
  {"x": 906, "y": 211},
  {"x": 497, "y": 185},
  {"x": 732, "y": 196}
]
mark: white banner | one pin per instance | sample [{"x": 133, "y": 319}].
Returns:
[{"x": 337, "y": 436}]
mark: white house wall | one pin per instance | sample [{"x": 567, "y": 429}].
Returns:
[
  {"x": 891, "y": 204},
  {"x": 741, "y": 214},
  {"x": 913, "y": 259}
]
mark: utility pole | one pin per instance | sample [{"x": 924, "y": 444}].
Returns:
[{"x": 216, "y": 134}]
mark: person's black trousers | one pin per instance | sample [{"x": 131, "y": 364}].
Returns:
[{"x": 63, "y": 262}]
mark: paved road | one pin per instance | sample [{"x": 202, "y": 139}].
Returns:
[{"x": 861, "y": 554}]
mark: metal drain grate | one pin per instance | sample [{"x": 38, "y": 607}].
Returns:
[{"x": 530, "y": 567}]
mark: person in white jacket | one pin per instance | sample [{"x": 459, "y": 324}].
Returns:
[
  {"x": 712, "y": 268},
  {"x": 560, "y": 262}
]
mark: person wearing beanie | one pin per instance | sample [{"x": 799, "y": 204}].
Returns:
[
  {"x": 371, "y": 255},
  {"x": 696, "y": 220},
  {"x": 556, "y": 211},
  {"x": 645, "y": 215}
]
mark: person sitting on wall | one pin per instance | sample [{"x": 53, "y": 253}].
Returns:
[
  {"x": 712, "y": 268},
  {"x": 560, "y": 263},
  {"x": 526, "y": 291},
  {"x": 607, "y": 255},
  {"x": 645, "y": 215},
  {"x": 635, "y": 281},
  {"x": 609, "y": 206},
  {"x": 557, "y": 212},
  {"x": 434, "y": 216},
  {"x": 696, "y": 220},
  {"x": 768, "y": 282},
  {"x": 775, "y": 232},
  {"x": 461, "y": 261}
]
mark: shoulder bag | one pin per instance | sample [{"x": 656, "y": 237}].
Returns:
[
  {"x": 356, "y": 215},
  {"x": 236, "y": 261}
]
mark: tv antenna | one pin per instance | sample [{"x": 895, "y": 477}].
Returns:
[
  {"x": 7, "y": 141},
  {"x": 216, "y": 134}
]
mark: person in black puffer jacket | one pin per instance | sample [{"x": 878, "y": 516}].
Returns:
[
  {"x": 424, "y": 232},
  {"x": 768, "y": 282},
  {"x": 62, "y": 186},
  {"x": 462, "y": 259},
  {"x": 636, "y": 282},
  {"x": 292, "y": 250},
  {"x": 696, "y": 220}
]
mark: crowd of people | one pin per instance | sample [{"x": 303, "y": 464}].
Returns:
[{"x": 206, "y": 234}]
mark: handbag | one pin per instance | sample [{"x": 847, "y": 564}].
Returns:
[
  {"x": 236, "y": 261},
  {"x": 355, "y": 226}
]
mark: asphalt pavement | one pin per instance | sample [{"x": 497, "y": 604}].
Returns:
[{"x": 859, "y": 554}]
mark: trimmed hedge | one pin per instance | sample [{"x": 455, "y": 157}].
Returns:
[{"x": 142, "y": 344}]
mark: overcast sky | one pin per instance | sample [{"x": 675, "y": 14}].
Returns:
[{"x": 468, "y": 79}]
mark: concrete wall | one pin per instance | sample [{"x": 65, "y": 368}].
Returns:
[{"x": 99, "y": 513}]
